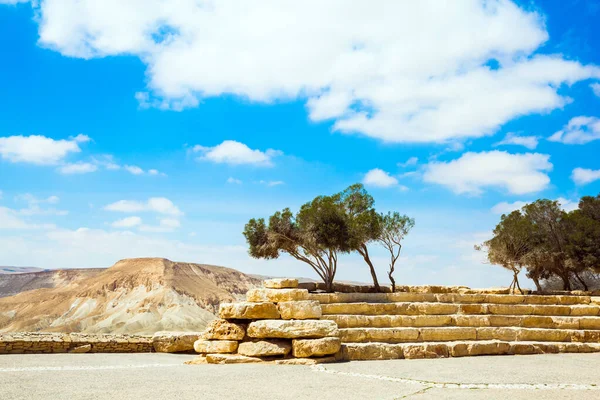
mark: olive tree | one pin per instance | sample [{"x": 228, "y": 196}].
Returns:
[{"x": 394, "y": 227}]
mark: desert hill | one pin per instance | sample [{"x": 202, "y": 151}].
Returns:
[
  {"x": 134, "y": 296},
  {"x": 17, "y": 282}
]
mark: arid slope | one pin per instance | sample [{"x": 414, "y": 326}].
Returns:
[{"x": 133, "y": 296}]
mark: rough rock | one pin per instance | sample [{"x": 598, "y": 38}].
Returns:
[
  {"x": 248, "y": 310},
  {"x": 276, "y": 295},
  {"x": 307, "y": 309},
  {"x": 265, "y": 348},
  {"x": 197, "y": 361},
  {"x": 174, "y": 342},
  {"x": 219, "y": 329},
  {"x": 231, "y": 359},
  {"x": 306, "y": 361},
  {"x": 215, "y": 346},
  {"x": 281, "y": 283},
  {"x": 481, "y": 348},
  {"x": 302, "y": 348},
  {"x": 426, "y": 350},
  {"x": 292, "y": 329},
  {"x": 86, "y": 348}
]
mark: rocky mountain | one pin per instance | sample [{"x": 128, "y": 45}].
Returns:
[
  {"x": 18, "y": 270},
  {"x": 134, "y": 296}
]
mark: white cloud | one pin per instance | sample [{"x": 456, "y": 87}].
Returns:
[
  {"x": 530, "y": 142},
  {"x": 583, "y": 176},
  {"x": 579, "y": 130},
  {"x": 34, "y": 205},
  {"x": 234, "y": 180},
  {"x": 398, "y": 71},
  {"x": 596, "y": 88},
  {"x": 517, "y": 173},
  {"x": 507, "y": 208},
  {"x": 379, "y": 178},
  {"x": 160, "y": 205},
  {"x": 133, "y": 169},
  {"x": 11, "y": 220},
  {"x": 155, "y": 172},
  {"x": 236, "y": 153},
  {"x": 271, "y": 183},
  {"x": 165, "y": 225},
  {"x": 410, "y": 162},
  {"x": 128, "y": 222},
  {"x": 39, "y": 150},
  {"x": 77, "y": 168}
]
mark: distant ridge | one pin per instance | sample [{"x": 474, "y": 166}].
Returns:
[{"x": 141, "y": 295}]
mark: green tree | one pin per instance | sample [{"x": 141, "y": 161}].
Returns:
[
  {"x": 364, "y": 223},
  {"x": 394, "y": 227},
  {"x": 511, "y": 245}
]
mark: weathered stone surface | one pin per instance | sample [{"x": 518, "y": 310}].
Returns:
[
  {"x": 281, "y": 283},
  {"x": 591, "y": 310},
  {"x": 306, "y": 361},
  {"x": 471, "y": 320},
  {"x": 197, "y": 361},
  {"x": 292, "y": 329},
  {"x": 265, "y": 348},
  {"x": 248, "y": 310},
  {"x": 86, "y": 348},
  {"x": 426, "y": 350},
  {"x": 306, "y": 309},
  {"x": 276, "y": 295},
  {"x": 389, "y": 335},
  {"x": 479, "y": 348},
  {"x": 589, "y": 323},
  {"x": 372, "y": 351},
  {"x": 302, "y": 348},
  {"x": 219, "y": 329},
  {"x": 447, "y": 334},
  {"x": 506, "y": 333},
  {"x": 174, "y": 342},
  {"x": 215, "y": 346},
  {"x": 231, "y": 359}
]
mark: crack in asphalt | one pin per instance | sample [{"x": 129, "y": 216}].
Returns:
[{"x": 445, "y": 385}]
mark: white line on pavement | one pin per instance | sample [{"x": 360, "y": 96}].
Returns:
[{"x": 442, "y": 385}]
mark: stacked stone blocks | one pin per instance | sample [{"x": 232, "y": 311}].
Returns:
[{"x": 277, "y": 324}]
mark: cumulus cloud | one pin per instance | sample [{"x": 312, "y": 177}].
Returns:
[
  {"x": 579, "y": 130},
  {"x": 164, "y": 225},
  {"x": 133, "y": 169},
  {"x": 410, "y": 162},
  {"x": 506, "y": 208},
  {"x": 77, "y": 168},
  {"x": 530, "y": 142},
  {"x": 379, "y": 178},
  {"x": 236, "y": 153},
  {"x": 160, "y": 205},
  {"x": 271, "y": 183},
  {"x": 397, "y": 71},
  {"x": 36, "y": 206},
  {"x": 234, "y": 180},
  {"x": 472, "y": 172},
  {"x": 39, "y": 150},
  {"x": 583, "y": 176},
  {"x": 128, "y": 222},
  {"x": 596, "y": 88},
  {"x": 12, "y": 220}
]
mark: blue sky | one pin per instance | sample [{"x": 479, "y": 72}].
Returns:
[{"x": 132, "y": 129}]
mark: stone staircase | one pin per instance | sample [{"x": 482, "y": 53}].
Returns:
[{"x": 427, "y": 325}]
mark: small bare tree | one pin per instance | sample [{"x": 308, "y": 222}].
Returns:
[{"x": 394, "y": 227}]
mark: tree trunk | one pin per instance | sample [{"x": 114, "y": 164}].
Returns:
[
  {"x": 364, "y": 252},
  {"x": 329, "y": 284},
  {"x": 390, "y": 273},
  {"x": 585, "y": 286},
  {"x": 566, "y": 281},
  {"x": 517, "y": 282},
  {"x": 536, "y": 280}
]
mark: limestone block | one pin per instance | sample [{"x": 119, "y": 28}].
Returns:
[
  {"x": 265, "y": 348},
  {"x": 231, "y": 359},
  {"x": 197, "y": 361},
  {"x": 524, "y": 348},
  {"x": 426, "y": 350},
  {"x": 506, "y": 320},
  {"x": 281, "y": 283},
  {"x": 292, "y": 329},
  {"x": 512, "y": 309},
  {"x": 479, "y": 348},
  {"x": 302, "y": 348},
  {"x": 306, "y": 309},
  {"x": 432, "y": 309},
  {"x": 591, "y": 310},
  {"x": 550, "y": 310},
  {"x": 562, "y": 323},
  {"x": 571, "y": 300},
  {"x": 589, "y": 323},
  {"x": 471, "y": 320},
  {"x": 372, "y": 351},
  {"x": 505, "y": 299},
  {"x": 215, "y": 346},
  {"x": 306, "y": 361},
  {"x": 507, "y": 334},
  {"x": 447, "y": 334},
  {"x": 473, "y": 309},
  {"x": 276, "y": 295},
  {"x": 174, "y": 342},
  {"x": 248, "y": 310},
  {"x": 86, "y": 348},
  {"x": 591, "y": 336},
  {"x": 219, "y": 329},
  {"x": 544, "y": 335}
]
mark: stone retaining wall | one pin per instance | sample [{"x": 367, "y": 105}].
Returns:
[{"x": 33, "y": 343}]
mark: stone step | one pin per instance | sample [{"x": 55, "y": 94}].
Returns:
[
  {"x": 387, "y": 351},
  {"x": 474, "y": 298},
  {"x": 431, "y": 308},
  {"x": 443, "y": 334},
  {"x": 461, "y": 320}
]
